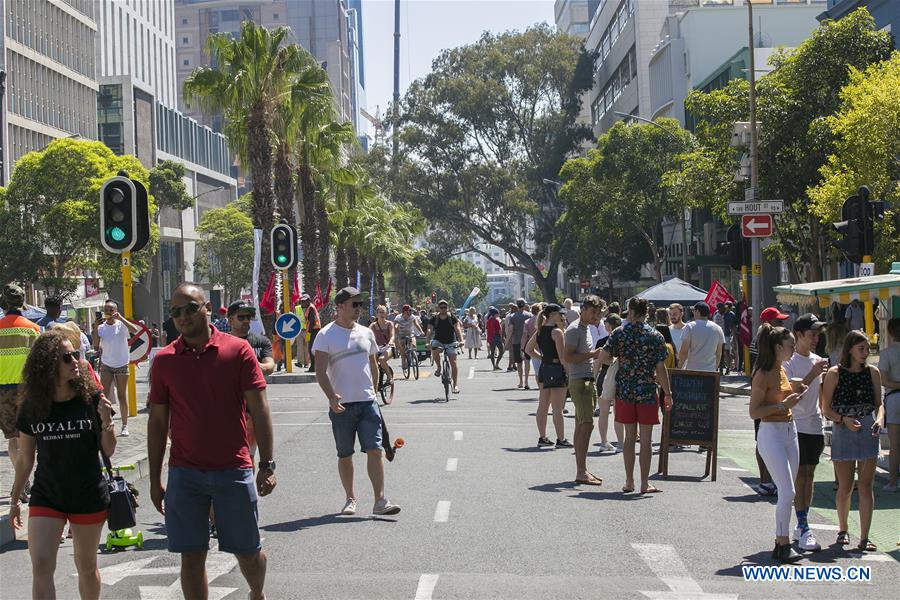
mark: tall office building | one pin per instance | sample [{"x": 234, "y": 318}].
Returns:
[
  {"x": 574, "y": 16},
  {"x": 330, "y": 29},
  {"x": 51, "y": 85},
  {"x": 885, "y": 12},
  {"x": 138, "y": 39},
  {"x": 137, "y": 114}
]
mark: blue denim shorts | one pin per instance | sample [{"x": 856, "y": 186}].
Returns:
[
  {"x": 232, "y": 493},
  {"x": 359, "y": 420}
]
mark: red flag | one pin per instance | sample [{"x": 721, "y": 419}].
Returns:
[
  {"x": 327, "y": 295},
  {"x": 744, "y": 331},
  {"x": 267, "y": 302},
  {"x": 717, "y": 294},
  {"x": 317, "y": 299}
]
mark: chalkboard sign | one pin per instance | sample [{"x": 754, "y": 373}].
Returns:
[
  {"x": 694, "y": 417},
  {"x": 695, "y": 400}
]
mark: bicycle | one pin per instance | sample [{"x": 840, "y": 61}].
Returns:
[
  {"x": 385, "y": 390},
  {"x": 446, "y": 378},
  {"x": 412, "y": 359}
]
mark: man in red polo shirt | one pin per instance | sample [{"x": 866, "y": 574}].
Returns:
[{"x": 202, "y": 385}]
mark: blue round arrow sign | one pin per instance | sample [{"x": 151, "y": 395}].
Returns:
[{"x": 288, "y": 326}]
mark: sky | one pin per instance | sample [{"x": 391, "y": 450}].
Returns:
[{"x": 426, "y": 28}]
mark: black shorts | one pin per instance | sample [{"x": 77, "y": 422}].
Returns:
[
  {"x": 517, "y": 353},
  {"x": 811, "y": 447}
]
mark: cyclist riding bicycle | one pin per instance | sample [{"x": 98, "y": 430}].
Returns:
[
  {"x": 384, "y": 337},
  {"x": 407, "y": 328},
  {"x": 446, "y": 333}
]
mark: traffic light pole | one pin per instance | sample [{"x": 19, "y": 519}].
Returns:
[
  {"x": 755, "y": 249},
  {"x": 869, "y": 311},
  {"x": 286, "y": 308},
  {"x": 129, "y": 314}
]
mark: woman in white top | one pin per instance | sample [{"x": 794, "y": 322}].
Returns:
[{"x": 472, "y": 332}]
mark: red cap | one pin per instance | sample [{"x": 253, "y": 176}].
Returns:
[
  {"x": 406, "y": 307},
  {"x": 771, "y": 313},
  {"x": 223, "y": 310}
]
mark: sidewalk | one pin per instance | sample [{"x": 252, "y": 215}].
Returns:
[
  {"x": 131, "y": 450},
  {"x": 736, "y": 385}
]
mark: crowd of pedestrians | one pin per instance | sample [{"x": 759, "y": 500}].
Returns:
[{"x": 208, "y": 401}]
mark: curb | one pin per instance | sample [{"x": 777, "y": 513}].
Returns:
[
  {"x": 291, "y": 378},
  {"x": 734, "y": 390}
]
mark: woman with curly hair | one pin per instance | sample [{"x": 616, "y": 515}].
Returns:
[{"x": 60, "y": 411}]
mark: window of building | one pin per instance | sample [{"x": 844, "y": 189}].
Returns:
[
  {"x": 184, "y": 41},
  {"x": 184, "y": 21},
  {"x": 275, "y": 16},
  {"x": 186, "y": 62}
]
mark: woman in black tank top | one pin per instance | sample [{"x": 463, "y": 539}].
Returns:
[{"x": 547, "y": 344}]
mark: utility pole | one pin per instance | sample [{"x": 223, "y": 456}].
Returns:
[
  {"x": 396, "y": 108},
  {"x": 755, "y": 250}
]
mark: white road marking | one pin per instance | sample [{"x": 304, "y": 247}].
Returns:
[
  {"x": 426, "y": 586},
  {"x": 471, "y": 372},
  {"x": 442, "y": 512},
  {"x": 877, "y": 557},
  {"x": 734, "y": 469},
  {"x": 824, "y": 527},
  {"x": 217, "y": 564},
  {"x": 457, "y": 436},
  {"x": 665, "y": 563},
  {"x": 452, "y": 463}
]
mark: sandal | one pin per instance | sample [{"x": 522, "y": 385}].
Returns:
[
  {"x": 627, "y": 489},
  {"x": 843, "y": 538},
  {"x": 651, "y": 490},
  {"x": 865, "y": 545}
]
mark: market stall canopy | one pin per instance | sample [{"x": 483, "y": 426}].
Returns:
[
  {"x": 882, "y": 287},
  {"x": 672, "y": 291}
]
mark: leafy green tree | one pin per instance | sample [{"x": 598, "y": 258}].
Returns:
[
  {"x": 454, "y": 281},
  {"x": 600, "y": 239},
  {"x": 626, "y": 187},
  {"x": 795, "y": 102},
  {"x": 249, "y": 76},
  {"x": 866, "y": 151},
  {"x": 480, "y": 134},
  {"x": 58, "y": 189},
  {"x": 225, "y": 249},
  {"x": 167, "y": 186},
  {"x": 21, "y": 256}
]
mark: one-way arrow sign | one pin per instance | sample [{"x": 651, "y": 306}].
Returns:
[
  {"x": 756, "y": 226},
  {"x": 288, "y": 326}
]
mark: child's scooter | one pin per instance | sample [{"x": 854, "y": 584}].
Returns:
[{"x": 123, "y": 538}]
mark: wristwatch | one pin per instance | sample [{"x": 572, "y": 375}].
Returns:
[{"x": 268, "y": 465}]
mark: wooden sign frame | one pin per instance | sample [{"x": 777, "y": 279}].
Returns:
[{"x": 711, "y": 446}]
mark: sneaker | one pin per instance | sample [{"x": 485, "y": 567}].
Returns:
[
  {"x": 607, "y": 447},
  {"x": 563, "y": 443},
  {"x": 544, "y": 441},
  {"x": 349, "y": 507},
  {"x": 807, "y": 540},
  {"x": 766, "y": 489},
  {"x": 384, "y": 507},
  {"x": 124, "y": 432}
]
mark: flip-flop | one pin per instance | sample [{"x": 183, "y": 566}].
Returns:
[
  {"x": 652, "y": 490},
  {"x": 627, "y": 490},
  {"x": 595, "y": 481},
  {"x": 843, "y": 538},
  {"x": 866, "y": 545}
]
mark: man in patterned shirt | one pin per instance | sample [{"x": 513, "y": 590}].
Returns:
[{"x": 641, "y": 351}]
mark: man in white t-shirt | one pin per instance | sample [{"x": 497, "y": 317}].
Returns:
[
  {"x": 676, "y": 325},
  {"x": 345, "y": 357},
  {"x": 111, "y": 338},
  {"x": 807, "y": 415},
  {"x": 701, "y": 343}
]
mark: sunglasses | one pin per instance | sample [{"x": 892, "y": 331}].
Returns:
[
  {"x": 70, "y": 357},
  {"x": 189, "y": 309},
  {"x": 244, "y": 317},
  {"x": 357, "y": 304}
]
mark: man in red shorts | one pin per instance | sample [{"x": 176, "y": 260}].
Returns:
[{"x": 641, "y": 351}]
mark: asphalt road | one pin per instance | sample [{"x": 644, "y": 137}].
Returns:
[{"x": 485, "y": 514}]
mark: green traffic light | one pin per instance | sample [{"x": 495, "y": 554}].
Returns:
[
  {"x": 116, "y": 233},
  {"x": 281, "y": 259}
]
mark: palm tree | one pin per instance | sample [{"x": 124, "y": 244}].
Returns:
[{"x": 248, "y": 78}]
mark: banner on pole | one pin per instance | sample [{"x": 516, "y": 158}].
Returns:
[
  {"x": 257, "y": 251},
  {"x": 475, "y": 291}
]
